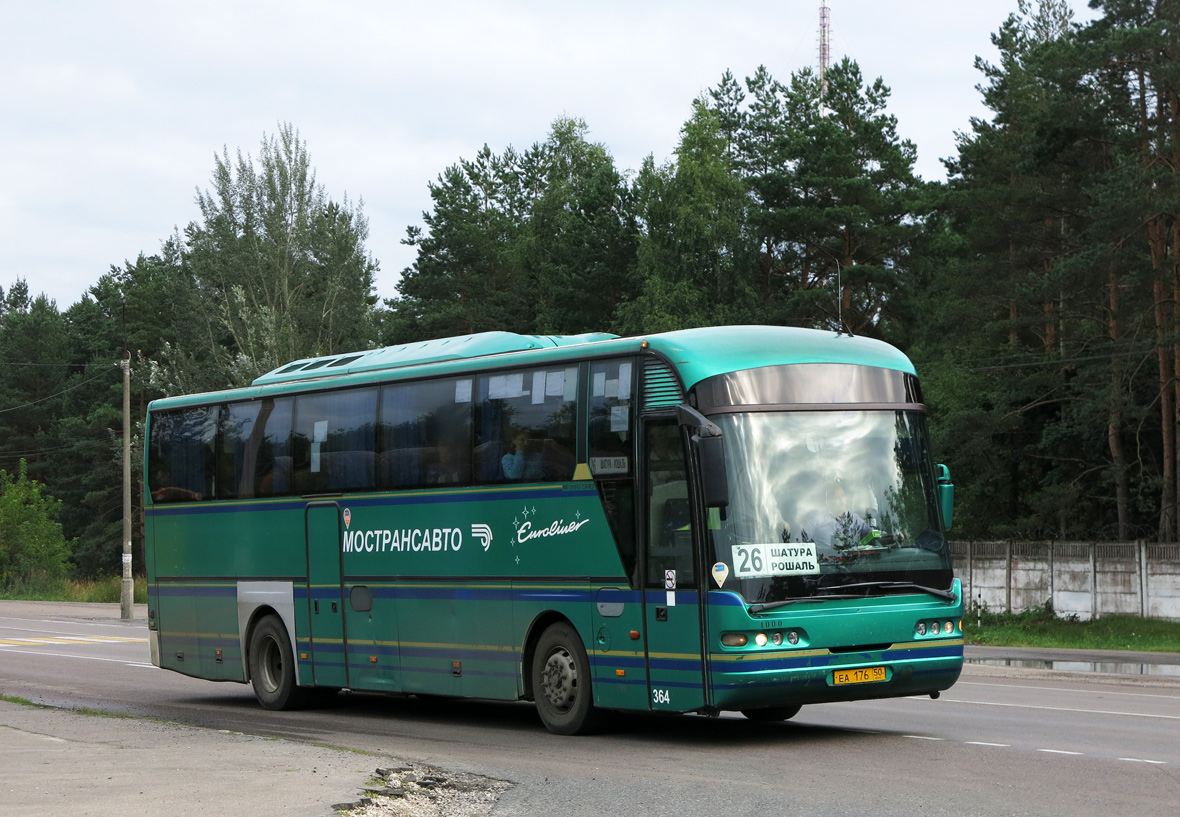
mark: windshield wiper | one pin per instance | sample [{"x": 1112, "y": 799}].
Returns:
[
  {"x": 933, "y": 591},
  {"x": 772, "y": 605}
]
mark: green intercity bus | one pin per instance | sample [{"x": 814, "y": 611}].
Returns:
[{"x": 739, "y": 518}]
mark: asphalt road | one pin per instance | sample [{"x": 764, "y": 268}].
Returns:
[{"x": 1004, "y": 740}]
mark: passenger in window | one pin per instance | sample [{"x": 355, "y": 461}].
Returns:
[
  {"x": 450, "y": 469},
  {"x": 523, "y": 461}
]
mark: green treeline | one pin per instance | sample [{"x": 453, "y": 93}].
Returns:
[{"x": 1036, "y": 289}]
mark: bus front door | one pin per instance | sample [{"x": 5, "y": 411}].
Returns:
[
  {"x": 325, "y": 595},
  {"x": 672, "y": 612}
]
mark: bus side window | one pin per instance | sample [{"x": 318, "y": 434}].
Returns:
[
  {"x": 610, "y": 432},
  {"x": 524, "y": 425},
  {"x": 273, "y": 459},
  {"x": 669, "y": 534},
  {"x": 425, "y": 434},
  {"x": 181, "y": 460},
  {"x": 334, "y": 441},
  {"x": 237, "y": 450}
]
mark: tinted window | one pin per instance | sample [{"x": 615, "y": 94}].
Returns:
[
  {"x": 524, "y": 425},
  {"x": 237, "y": 451},
  {"x": 426, "y": 434},
  {"x": 181, "y": 455},
  {"x": 611, "y": 424},
  {"x": 334, "y": 441},
  {"x": 610, "y": 432},
  {"x": 669, "y": 534}
]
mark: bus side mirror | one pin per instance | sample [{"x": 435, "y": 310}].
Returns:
[
  {"x": 714, "y": 483},
  {"x": 946, "y": 495},
  {"x": 710, "y": 447}
]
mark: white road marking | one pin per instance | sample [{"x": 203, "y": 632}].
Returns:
[
  {"x": 16, "y": 642},
  {"x": 1067, "y": 709},
  {"x": 1056, "y": 689},
  {"x": 123, "y": 661}
]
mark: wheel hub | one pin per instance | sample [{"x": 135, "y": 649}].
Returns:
[{"x": 559, "y": 680}]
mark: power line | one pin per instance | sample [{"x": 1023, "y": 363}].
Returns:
[
  {"x": 14, "y": 455},
  {"x": 1031, "y": 362},
  {"x": 68, "y": 365},
  {"x": 50, "y": 397}
]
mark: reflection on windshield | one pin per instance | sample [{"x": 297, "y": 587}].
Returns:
[{"x": 821, "y": 499}]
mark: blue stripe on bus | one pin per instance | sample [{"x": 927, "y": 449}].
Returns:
[
  {"x": 288, "y": 504},
  {"x": 361, "y": 648},
  {"x": 460, "y": 653},
  {"x": 419, "y": 593},
  {"x": 612, "y": 660},
  {"x": 614, "y": 679},
  {"x": 681, "y": 664},
  {"x": 449, "y": 671}
]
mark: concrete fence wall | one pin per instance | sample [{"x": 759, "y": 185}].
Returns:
[{"x": 1083, "y": 579}]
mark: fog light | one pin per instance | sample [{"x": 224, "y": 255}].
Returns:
[
  {"x": 776, "y": 639},
  {"x": 760, "y": 639},
  {"x": 733, "y": 639},
  {"x": 792, "y": 637},
  {"x": 921, "y": 628}
]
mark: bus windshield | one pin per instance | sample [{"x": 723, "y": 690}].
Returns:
[{"x": 828, "y": 504}]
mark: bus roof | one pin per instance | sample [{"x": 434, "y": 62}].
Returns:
[
  {"x": 696, "y": 354},
  {"x": 418, "y": 354},
  {"x": 702, "y": 353}
]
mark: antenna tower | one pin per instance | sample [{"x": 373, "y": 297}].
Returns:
[{"x": 825, "y": 51}]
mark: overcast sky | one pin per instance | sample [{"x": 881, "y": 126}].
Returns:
[{"x": 111, "y": 112}]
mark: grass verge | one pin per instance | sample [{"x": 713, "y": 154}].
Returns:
[
  {"x": 101, "y": 590},
  {"x": 1042, "y": 628}
]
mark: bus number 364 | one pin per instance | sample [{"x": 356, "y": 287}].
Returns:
[{"x": 661, "y": 696}]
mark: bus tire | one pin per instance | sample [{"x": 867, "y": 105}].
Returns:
[
  {"x": 272, "y": 667},
  {"x": 772, "y": 714},
  {"x": 561, "y": 682}
]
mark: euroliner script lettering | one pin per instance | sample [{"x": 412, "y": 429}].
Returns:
[{"x": 526, "y": 531}]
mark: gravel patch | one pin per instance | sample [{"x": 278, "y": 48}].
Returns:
[{"x": 417, "y": 790}]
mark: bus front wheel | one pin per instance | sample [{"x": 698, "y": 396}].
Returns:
[
  {"x": 772, "y": 714},
  {"x": 561, "y": 682},
  {"x": 272, "y": 667}
]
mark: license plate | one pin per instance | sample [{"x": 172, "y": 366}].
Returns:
[{"x": 867, "y": 675}]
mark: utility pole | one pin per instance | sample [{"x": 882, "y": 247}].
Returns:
[
  {"x": 825, "y": 49},
  {"x": 127, "y": 595},
  {"x": 825, "y": 55}
]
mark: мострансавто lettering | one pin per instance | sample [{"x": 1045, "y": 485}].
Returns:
[{"x": 413, "y": 539}]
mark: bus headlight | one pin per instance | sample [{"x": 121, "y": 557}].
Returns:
[
  {"x": 761, "y": 639},
  {"x": 792, "y": 638},
  {"x": 776, "y": 639},
  {"x": 921, "y": 628}
]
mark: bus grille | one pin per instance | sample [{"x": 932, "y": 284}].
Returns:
[{"x": 661, "y": 388}]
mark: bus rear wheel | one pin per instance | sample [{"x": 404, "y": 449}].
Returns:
[
  {"x": 772, "y": 714},
  {"x": 272, "y": 667},
  {"x": 561, "y": 682}
]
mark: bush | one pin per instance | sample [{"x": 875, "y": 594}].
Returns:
[{"x": 33, "y": 550}]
